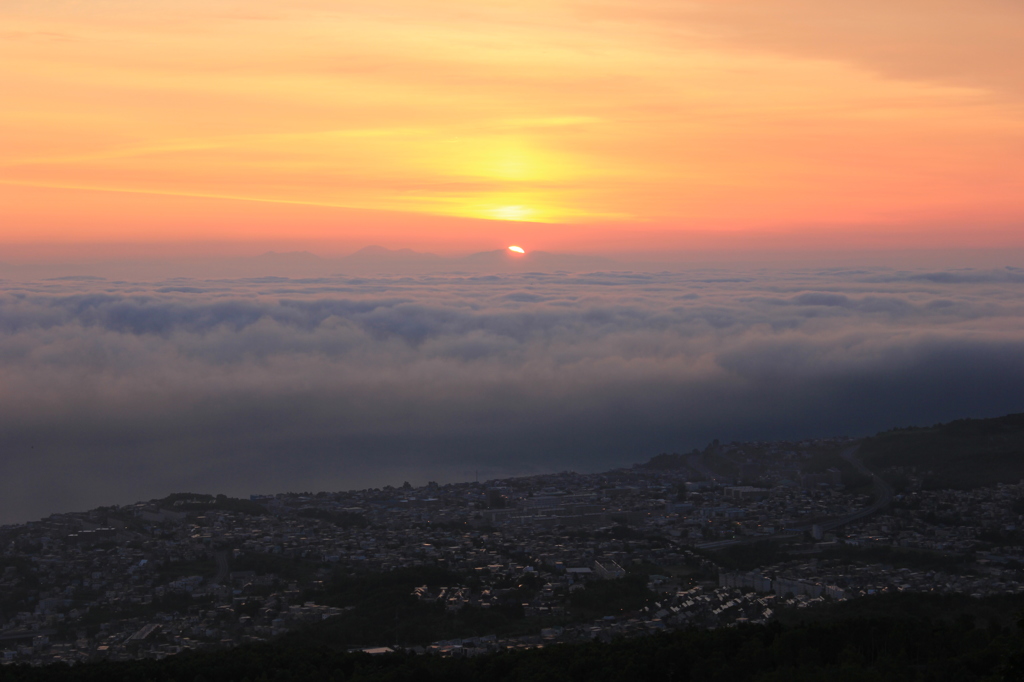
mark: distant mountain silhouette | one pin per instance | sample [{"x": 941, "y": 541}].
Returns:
[
  {"x": 369, "y": 260},
  {"x": 502, "y": 260},
  {"x": 381, "y": 259},
  {"x": 288, "y": 257},
  {"x": 275, "y": 263},
  {"x": 380, "y": 254}
]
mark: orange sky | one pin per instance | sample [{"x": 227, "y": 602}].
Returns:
[{"x": 607, "y": 125}]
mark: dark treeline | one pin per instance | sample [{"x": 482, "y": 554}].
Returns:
[
  {"x": 342, "y": 519},
  {"x": 955, "y": 648},
  {"x": 203, "y": 502},
  {"x": 961, "y": 454}
]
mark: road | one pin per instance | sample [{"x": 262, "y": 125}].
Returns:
[
  {"x": 222, "y": 567},
  {"x": 883, "y": 496},
  {"x": 13, "y": 635},
  {"x": 883, "y": 490},
  {"x": 695, "y": 463}
]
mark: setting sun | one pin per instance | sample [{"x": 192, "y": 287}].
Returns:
[
  {"x": 511, "y": 213},
  {"x": 516, "y": 249},
  {"x": 290, "y": 126}
]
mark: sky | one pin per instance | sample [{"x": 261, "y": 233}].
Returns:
[
  {"x": 454, "y": 126},
  {"x": 743, "y": 219}
]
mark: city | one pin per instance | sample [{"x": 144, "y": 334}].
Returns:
[{"x": 736, "y": 533}]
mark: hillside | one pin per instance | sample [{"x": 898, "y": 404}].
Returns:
[
  {"x": 926, "y": 638},
  {"x": 962, "y": 454}
]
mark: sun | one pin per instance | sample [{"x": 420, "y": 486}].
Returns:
[
  {"x": 512, "y": 212},
  {"x": 517, "y": 249}
]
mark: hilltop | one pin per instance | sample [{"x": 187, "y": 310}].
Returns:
[{"x": 962, "y": 454}]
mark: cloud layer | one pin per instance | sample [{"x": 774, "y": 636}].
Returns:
[{"x": 117, "y": 391}]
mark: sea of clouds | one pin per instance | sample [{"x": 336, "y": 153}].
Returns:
[{"x": 115, "y": 391}]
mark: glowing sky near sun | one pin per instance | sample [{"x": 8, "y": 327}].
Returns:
[{"x": 223, "y": 120}]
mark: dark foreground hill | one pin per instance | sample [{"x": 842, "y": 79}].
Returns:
[
  {"x": 962, "y": 454},
  {"x": 922, "y": 638}
]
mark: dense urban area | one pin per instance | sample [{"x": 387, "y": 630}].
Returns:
[{"x": 736, "y": 533}]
